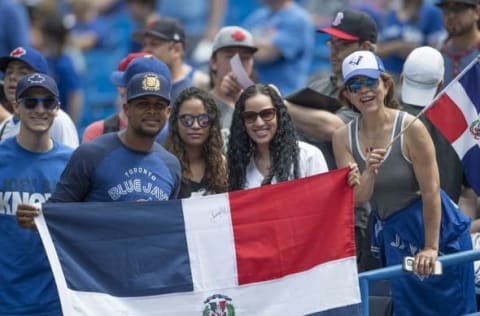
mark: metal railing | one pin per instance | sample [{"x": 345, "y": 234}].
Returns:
[{"x": 396, "y": 271}]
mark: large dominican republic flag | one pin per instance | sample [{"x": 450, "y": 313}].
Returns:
[
  {"x": 456, "y": 114},
  {"x": 283, "y": 249}
]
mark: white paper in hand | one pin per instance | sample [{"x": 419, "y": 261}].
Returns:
[{"x": 239, "y": 72}]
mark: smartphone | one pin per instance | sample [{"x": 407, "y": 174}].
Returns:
[{"x": 408, "y": 265}]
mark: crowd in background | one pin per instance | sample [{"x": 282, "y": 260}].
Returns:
[{"x": 84, "y": 40}]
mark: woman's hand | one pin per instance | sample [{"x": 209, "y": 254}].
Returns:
[
  {"x": 25, "y": 216},
  {"x": 353, "y": 175},
  {"x": 425, "y": 261},
  {"x": 375, "y": 159}
]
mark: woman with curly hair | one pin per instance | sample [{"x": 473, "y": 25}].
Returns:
[
  {"x": 263, "y": 147},
  {"x": 195, "y": 139}
]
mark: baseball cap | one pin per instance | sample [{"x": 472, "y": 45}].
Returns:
[
  {"x": 117, "y": 76},
  {"x": 147, "y": 63},
  {"x": 36, "y": 80},
  {"x": 148, "y": 83},
  {"x": 28, "y": 55},
  {"x": 362, "y": 63},
  {"x": 233, "y": 36},
  {"x": 352, "y": 26},
  {"x": 166, "y": 28},
  {"x": 445, "y": 2},
  {"x": 422, "y": 72}
]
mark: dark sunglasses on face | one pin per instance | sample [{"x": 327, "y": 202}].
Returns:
[
  {"x": 266, "y": 115},
  {"x": 30, "y": 103},
  {"x": 356, "y": 84},
  {"x": 203, "y": 120}
]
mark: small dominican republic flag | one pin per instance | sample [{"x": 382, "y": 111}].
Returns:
[
  {"x": 283, "y": 249},
  {"x": 456, "y": 114}
]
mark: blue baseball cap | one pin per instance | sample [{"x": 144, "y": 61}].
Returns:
[
  {"x": 149, "y": 83},
  {"x": 36, "y": 80},
  {"x": 28, "y": 55},
  {"x": 147, "y": 63}
]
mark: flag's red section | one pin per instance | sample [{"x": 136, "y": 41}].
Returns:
[
  {"x": 447, "y": 117},
  {"x": 292, "y": 226}
]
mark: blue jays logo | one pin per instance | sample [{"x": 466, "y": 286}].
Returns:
[
  {"x": 218, "y": 305},
  {"x": 36, "y": 78},
  {"x": 356, "y": 61},
  {"x": 475, "y": 129}
]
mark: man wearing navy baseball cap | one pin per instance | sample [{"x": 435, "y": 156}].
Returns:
[
  {"x": 20, "y": 62},
  {"x": 131, "y": 65}
]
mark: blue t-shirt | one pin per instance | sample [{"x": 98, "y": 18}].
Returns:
[
  {"x": 26, "y": 281},
  {"x": 293, "y": 34},
  {"x": 105, "y": 170}
]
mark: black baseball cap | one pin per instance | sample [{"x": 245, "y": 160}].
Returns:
[
  {"x": 352, "y": 26},
  {"x": 445, "y": 2},
  {"x": 165, "y": 28}
]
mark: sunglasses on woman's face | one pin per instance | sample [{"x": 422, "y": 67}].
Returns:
[
  {"x": 187, "y": 120},
  {"x": 355, "y": 85},
  {"x": 30, "y": 103},
  {"x": 266, "y": 115}
]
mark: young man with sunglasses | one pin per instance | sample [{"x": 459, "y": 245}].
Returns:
[
  {"x": 30, "y": 165},
  {"x": 462, "y": 44},
  {"x": 20, "y": 62}
]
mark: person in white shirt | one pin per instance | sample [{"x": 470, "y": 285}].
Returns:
[{"x": 263, "y": 146}]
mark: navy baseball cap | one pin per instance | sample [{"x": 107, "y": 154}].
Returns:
[
  {"x": 143, "y": 64},
  {"x": 28, "y": 55},
  {"x": 352, "y": 25},
  {"x": 149, "y": 83},
  {"x": 36, "y": 80}
]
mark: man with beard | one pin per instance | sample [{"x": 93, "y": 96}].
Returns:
[
  {"x": 462, "y": 44},
  {"x": 128, "y": 165}
]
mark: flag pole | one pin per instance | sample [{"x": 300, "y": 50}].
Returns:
[{"x": 470, "y": 65}]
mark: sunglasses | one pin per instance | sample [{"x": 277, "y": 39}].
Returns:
[
  {"x": 203, "y": 120},
  {"x": 266, "y": 115},
  {"x": 30, "y": 103},
  {"x": 356, "y": 84}
]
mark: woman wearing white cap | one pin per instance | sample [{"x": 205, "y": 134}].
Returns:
[{"x": 399, "y": 178}]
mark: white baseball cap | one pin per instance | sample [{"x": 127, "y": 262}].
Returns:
[
  {"x": 422, "y": 72},
  {"x": 362, "y": 63}
]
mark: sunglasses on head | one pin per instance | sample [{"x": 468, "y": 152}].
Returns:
[
  {"x": 203, "y": 120},
  {"x": 355, "y": 85},
  {"x": 30, "y": 103},
  {"x": 266, "y": 115}
]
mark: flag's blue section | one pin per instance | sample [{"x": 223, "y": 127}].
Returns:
[
  {"x": 471, "y": 165},
  {"x": 402, "y": 234},
  {"x": 471, "y": 82},
  {"x": 355, "y": 309},
  {"x": 131, "y": 252}
]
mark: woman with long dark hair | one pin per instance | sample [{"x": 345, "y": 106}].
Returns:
[
  {"x": 195, "y": 139},
  {"x": 263, "y": 147}
]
